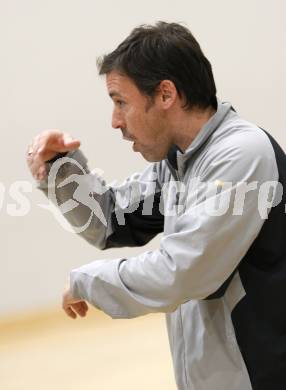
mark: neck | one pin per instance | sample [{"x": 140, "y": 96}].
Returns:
[{"x": 188, "y": 124}]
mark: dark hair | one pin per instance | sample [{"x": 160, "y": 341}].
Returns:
[{"x": 165, "y": 51}]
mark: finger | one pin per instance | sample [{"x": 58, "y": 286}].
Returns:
[
  {"x": 50, "y": 150},
  {"x": 33, "y": 159},
  {"x": 50, "y": 142},
  {"x": 37, "y": 167},
  {"x": 45, "y": 146},
  {"x": 71, "y": 142},
  {"x": 85, "y": 305},
  {"x": 30, "y": 154},
  {"x": 62, "y": 142},
  {"x": 29, "y": 158},
  {"x": 67, "y": 307},
  {"x": 68, "y": 310},
  {"x": 46, "y": 154},
  {"x": 80, "y": 308},
  {"x": 37, "y": 162},
  {"x": 42, "y": 173}
]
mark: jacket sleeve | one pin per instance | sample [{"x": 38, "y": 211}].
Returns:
[
  {"x": 105, "y": 215},
  {"x": 211, "y": 235}
]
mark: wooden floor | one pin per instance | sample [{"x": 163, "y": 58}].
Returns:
[{"x": 52, "y": 352}]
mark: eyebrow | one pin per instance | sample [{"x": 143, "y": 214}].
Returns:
[{"x": 113, "y": 93}]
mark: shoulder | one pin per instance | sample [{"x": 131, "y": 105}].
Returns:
[
  {"x": 241, "y": 135},
  {"x": 239, "y": 149}
]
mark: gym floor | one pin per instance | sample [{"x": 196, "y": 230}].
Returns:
[{"x": 50, "y": 351}]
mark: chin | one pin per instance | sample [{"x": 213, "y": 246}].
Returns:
[{"x": 152, "y": 157}]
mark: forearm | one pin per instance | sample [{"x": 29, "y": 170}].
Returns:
[
  {"x": 82, "y": 198},
  {"x": 105, "y": 216}
]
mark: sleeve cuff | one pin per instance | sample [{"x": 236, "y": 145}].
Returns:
[{"x": 76, "y": 155}]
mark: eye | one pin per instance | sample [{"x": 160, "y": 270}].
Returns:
[{"x": 119, "y": 103}]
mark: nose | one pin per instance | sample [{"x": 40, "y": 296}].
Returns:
[{"x": 117, "y": 120}]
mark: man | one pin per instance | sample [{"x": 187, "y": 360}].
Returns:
[{"x": 220, "y": 271}]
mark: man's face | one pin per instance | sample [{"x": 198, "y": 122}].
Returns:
[{"x": 141, "y": 120}]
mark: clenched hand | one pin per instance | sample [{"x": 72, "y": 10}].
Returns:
[
  {"x": 73, "y": 306},
  {"x": 45, "y": 146}
]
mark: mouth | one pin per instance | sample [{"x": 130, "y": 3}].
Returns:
[
  {"x": 126, "y": 136},
  {"x": 128, "y": 139}
]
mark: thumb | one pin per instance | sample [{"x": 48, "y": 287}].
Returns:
[
  {"x": 70, "y": 142},
  {"x": 58, "y": 145},
  {"x": 67, "y": 143},
  {"x": 68, "y": 146}
]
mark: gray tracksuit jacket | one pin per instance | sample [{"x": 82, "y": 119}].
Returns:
[{"x": 219, "y": 271}]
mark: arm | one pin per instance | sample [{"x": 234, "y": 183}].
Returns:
[
  {"x": 199, "y": 255},
  {"x": 106, "y": 216}
]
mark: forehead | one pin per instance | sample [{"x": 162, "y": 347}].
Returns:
[{"x": 119, "y": 84}]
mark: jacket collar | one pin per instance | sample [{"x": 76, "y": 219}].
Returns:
[{"x": 177, "y": 158}]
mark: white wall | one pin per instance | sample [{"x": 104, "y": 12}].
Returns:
[{"x": 48, "y": 79}]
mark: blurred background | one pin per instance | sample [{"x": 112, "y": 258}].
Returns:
[{"x": 48, "y": 79}]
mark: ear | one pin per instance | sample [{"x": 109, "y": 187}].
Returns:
[{"x": 167, "y": 93}]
